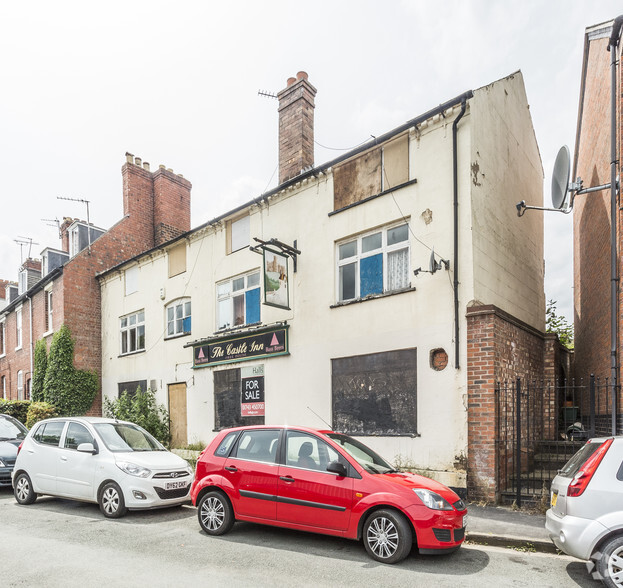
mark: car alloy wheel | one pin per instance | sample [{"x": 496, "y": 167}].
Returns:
[
  {"x": 610, "y": 564},
  {"x": 215, "y": 514},
  {"x": 111, "y": 501},
  {"x": 24, "y": 493},
  {"x": 387, "y": 536}
]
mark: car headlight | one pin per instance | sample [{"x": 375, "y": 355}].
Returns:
[
  {"x": 432, "y": 499},
  {"x": 133, "y": 469}
]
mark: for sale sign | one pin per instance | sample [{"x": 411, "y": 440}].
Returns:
[{"x": 252, "y": 397}]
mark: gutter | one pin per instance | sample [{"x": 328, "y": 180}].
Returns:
[{"x": 455, "y": 203}]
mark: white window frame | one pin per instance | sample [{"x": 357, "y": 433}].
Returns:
[
  {"x": 127, "y": 325},
  {"x": 49, "y": 299},
  {"x": 2, "y": 337},
  {"x": 225, "y": 295},
  {"x": 384, "y": 249},
  {"x": 131, "y": 280},
  {"x": 18, "y": 328},
  {"x": 44, "y": 265},
  {"x": 240, "y": 233},
  {"x": 74, "y": 241},
  {"x": 22, "y": 281},
  {"x": 175, "y": 323},
  {"x": 20, "y": 385}
]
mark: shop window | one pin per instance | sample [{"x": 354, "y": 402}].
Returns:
[
  {"x": 375, "y": 394},
  {"x": 373, "y": 263},
  {"x": 238, "y": 301},
  {"x": 178, "y": 317},
  {"x": 177, "y": 260},
  {"x": 238, "y": 234},
  {"x": 227, "y": 396},
  {"x": 132, "y": 330}
]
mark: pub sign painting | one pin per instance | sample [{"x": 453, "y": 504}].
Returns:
[
  {"x": 265, "y": 343},
  {"x": 276, "y": 279}
]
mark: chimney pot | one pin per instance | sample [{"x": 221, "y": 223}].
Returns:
[
  {"x": 129, "y": 157},
  {"x": 291, "y": 81},
  {"x": 138, "y": 161},
  {"x": 161, "y": 166},
  {"x": 169, "y": 169},
  {"x": 145, "y": 165},
  {"x": 302, "y": 75}
]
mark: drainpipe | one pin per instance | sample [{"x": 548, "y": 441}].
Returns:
[
  {"x": 456, "y": 232},
  {"x": 612, "y": 45},
  {"x": 31, "y": 347}
]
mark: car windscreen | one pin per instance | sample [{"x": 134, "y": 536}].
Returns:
[
  {"x": 126, "y": 437},
  {"x": 371, "y": 461},
  {"x": 11, "y": 429},
  {"x": 572, "y": 467}
]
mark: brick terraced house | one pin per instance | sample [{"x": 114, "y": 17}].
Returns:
[{"x": 62, "y": 287}]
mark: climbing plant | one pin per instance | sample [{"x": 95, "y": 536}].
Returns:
[{"x": 40, "y": 365}]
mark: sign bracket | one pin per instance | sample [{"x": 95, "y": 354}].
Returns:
[{"x": 284, "y": 249}]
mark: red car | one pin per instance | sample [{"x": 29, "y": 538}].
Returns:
[{"x": 323, "y": 482}]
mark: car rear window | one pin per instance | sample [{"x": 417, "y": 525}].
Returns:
[{"x": 578, "y": 460}]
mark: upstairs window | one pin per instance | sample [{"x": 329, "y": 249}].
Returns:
[
  {"x": 18, "y": 328},
  {"x": 48, "y": 311},
  {"x": 133, "y": 332},
  {"x": 131, "y": 280},
  {"x": 177, "y": 260},
  {"x": 238, "y": 234},
  {"x": 22, "y": 282},
  {"x": 2, "y": 338},
  {"x": 374, "y": 263},
  {"x": 238, "y": 301},
  {"x": 178, "y": 318}
]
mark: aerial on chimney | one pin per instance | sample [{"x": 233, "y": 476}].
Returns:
[{"x": 296, "y": 126}]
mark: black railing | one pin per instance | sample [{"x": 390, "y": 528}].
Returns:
[{"x": 540, "y": 425}]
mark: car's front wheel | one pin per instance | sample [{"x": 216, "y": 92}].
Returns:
[
  {"x": 24, "y": 494},
  {"x": 111, "y": 501},
  {"x": 215, "y": 513},
  {"x": 610, "y": 563},
  {"x": 387, "y": 536}
]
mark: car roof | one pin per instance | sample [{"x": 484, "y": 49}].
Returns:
[
  {"x": 285, "y": 427},
  {"x": 84, "y": 419}
]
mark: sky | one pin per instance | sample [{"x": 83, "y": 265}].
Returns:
[{"x": 176, "y": 83}]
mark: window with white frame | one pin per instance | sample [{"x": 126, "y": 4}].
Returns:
[
  {"x": 48, "y": 311},
  {"x": 2, "y": 338},
  {"x": 373, "y": 263},
  {"x": 18, "y": 328},
  {"x": 238, "y": 301},
  {"x": 178, "y": 317},
  {"x": 132, "y": 332},
  {"x": 22, "y": 281},
  {"x": 74, "y": 241},
  {"x": 239, "y": 233},
  {"x": 20, "y": 385},
  {"x": 131, "y": 280}
]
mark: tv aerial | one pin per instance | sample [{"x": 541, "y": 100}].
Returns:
[
  {"x": 22, "y": 242},
  {"x": 433, "y": 265},
  {"x": 563, "y": 191}
]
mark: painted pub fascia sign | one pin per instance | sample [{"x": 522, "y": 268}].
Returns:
[{"x": 269, "y": 342}]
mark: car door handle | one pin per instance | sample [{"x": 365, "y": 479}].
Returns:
[
  {"x": 288, "y": 479},
  {"x": 231, "y": 468}
]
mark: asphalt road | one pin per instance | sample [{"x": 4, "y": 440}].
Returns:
[{"x": 63, "y": 543}]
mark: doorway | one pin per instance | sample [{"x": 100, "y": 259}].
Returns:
[{"x": 177, "y": 414}]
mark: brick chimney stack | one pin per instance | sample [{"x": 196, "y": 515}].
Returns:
[{"x": 296, "y": 127}]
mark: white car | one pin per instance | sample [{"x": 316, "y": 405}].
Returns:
[{"x": 114, "y": 463}]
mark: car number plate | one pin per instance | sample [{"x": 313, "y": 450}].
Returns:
[
  {"x": 174, "y": 485},
  {"x": 554, "y": 498},
  {"x": 465, "y": 521}
]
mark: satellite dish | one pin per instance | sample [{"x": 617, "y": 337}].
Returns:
[
  {"x": 560, "y": 177},
  {"x": 432, "y": 264}
]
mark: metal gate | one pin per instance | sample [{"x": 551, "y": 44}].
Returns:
[{"x": 540, "y": 425}]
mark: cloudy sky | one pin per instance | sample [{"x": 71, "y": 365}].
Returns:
[{"x": 176, "y": 83}]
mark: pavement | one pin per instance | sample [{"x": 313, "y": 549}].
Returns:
[{"x": 504, "y": 527}]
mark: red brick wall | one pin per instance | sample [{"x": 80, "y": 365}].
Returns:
[
  {"x": 499, "y": 348},
  {"x": 171, "y": 206}
]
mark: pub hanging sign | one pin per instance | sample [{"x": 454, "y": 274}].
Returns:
[{"x": 242, "y": 347}]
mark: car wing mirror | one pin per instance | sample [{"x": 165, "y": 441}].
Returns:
[
  {"x": 338, "y": 468},
  {"x": 87, "y": 448}
]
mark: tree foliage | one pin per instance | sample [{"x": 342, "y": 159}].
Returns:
[
  {"x": 37, "y": 411},
  {"x": 70, "y": 390},
  {"x": 141, "y": 408},
  {"x": 40, "y": 365},
  {"x": 558, "y": 324}
]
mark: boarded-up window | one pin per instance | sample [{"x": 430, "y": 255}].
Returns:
[
  {"x": 238, "y": 234},
  {"x": 371, "y": 173},
  {"x": 177, "y": 260},
  {"x": 375, "y": 394},
  {"x": 227, "y": 394},
  {"x": 395, "y": 163}
]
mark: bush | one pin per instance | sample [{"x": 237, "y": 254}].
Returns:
[
  {"x": 141, "y": 408},
  {"x": 15, "y": 408},
  {"x": 70, "y": 390},
  {"x": 40, "y": 366},
  {"x": 37, "y": 411}
]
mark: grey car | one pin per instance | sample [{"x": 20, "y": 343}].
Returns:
[
  {"x": 585, "y": 519},
  {"x": 12, "y": 433}
]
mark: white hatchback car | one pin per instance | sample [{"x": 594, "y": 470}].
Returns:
[
  {"x": 117, "y": 464},
  {"x": 586, "y": 515}
]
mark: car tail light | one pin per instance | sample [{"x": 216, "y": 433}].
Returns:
[
  {"x": 589, "y": 467},
  {"x": 20, "y": 447}
]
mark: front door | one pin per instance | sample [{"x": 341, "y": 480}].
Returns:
[
  {"x": 177, "y": 414},
  {"x": 306, "y": 492}
]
